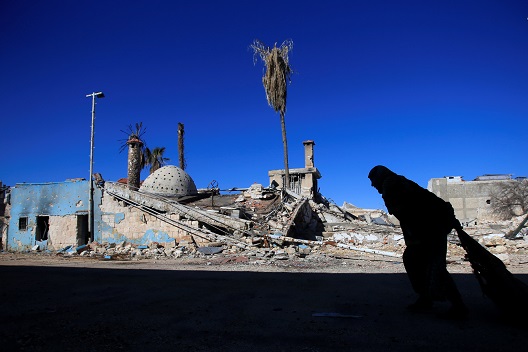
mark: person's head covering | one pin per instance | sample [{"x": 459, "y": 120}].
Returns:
[{"x": 378, "y": 175}]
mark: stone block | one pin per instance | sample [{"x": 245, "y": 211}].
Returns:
[
  {"x": 498, "y": 249},
  {"x": 504, "y": 257}
]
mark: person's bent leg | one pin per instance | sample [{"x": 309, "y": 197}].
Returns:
[{"x": 416, "y": 268}]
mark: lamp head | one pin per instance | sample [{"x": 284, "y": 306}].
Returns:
[{"x": 96, "y": 94}]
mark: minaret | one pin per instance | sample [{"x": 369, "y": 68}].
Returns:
[{"x": 134, "y": 162}]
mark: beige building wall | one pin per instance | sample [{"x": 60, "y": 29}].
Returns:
[
  {"x": 62, "y": 231},
  {"x": 121, "y": 222},
  {"x": 470, "y": 199}
]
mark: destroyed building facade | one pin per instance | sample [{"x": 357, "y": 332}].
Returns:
[
  {"x": 51, "y": 214},
  {"x": 169, "y": 212},
  {"x": 303, "y": 181},
  {"x": 55, "y": 215},
  {"x": 165, "y": 210}
]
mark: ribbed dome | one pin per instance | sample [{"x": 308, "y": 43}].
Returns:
[{"x": 169, "y": 181}]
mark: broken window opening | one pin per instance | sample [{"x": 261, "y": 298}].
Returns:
[
  {"x": 41, "y": 234},
  {"x": 22, "y": 223},
  {"x": 83, "y": 235},
  {"x": 296, "y": 181}
]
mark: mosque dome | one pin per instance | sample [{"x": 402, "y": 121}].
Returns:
[{"x": 169, "y": 181}]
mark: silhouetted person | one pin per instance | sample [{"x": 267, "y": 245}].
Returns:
[{"x": 425, "y": 220}]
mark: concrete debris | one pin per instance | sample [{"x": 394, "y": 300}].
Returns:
[
  {"x": 257, "y": 191},
  {"x": 280, "y": 248},
  {"x": 368, "y": 250},
  {"x": 210, "y": 250},
  {"x": 82, "y": 248},
  {"x": 63, "y": 250},
  {"x": 263, "y": 225}
]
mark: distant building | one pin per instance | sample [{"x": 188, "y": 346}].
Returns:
[
  {"x": 493, "y": 177},
  {"x": 470, "y": 199}
]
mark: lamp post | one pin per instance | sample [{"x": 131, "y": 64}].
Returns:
[{"x": 91, "y": 194}]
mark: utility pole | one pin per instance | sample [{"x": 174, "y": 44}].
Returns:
[{"x": 91, "y": 194}]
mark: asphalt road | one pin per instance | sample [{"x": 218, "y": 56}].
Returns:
[{"x": 46, "y": 308}]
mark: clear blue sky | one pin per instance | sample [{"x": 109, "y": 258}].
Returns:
[{"x": 427, "y": 88}]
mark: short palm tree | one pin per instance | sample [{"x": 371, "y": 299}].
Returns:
[
  {"x": 155, "y": 158},
  {"x": 275, "y": 81}
]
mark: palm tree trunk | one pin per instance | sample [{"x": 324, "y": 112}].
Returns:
[
  {"x": 285, "y": 144},
  {"x": 155, "y": 167},
  {"x": 134, "y": 164},
  {"x": 181, "y": 157}
]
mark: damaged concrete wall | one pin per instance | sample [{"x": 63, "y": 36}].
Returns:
[
  {"x": 143, "y": 218},
  {"x": 52, "y": 215},
  {"x": 55, "y": 215},
  {"x": 125, "y": 223},
  {"x": 470, "y": 199},
  {"x": 303, "y": 181}
]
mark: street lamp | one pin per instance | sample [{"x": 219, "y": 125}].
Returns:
[{"x": 91, "y": 201}]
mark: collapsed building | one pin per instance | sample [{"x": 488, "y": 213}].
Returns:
[
  {"x": 168, "y": 215},
  {"x": 168, "y": 210}
]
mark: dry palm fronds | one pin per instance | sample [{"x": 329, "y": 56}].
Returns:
[
  {"x": 278, "y": 71},
  {"x": 133, "y": 133},
  {"x": 275, "y": 81}
]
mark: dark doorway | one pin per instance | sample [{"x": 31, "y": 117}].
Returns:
[
  {"x": 83, "y": 236},
  {"x": 41, "y": 233}
]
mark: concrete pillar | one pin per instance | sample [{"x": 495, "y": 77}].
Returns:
[{"x": 308, "y": 153}]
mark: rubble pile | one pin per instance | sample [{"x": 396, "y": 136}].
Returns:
[
  {"x": 335, "y": 247},
  {"x": 364, "y": 239},
  {"x": 265, "y": 225}
]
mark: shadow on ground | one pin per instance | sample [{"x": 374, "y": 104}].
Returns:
[{"x": 81, "y": 309}]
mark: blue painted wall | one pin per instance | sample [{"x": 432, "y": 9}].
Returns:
[
  {"x": 48, "y": 199},
  {"x": 151, "y": 235}
]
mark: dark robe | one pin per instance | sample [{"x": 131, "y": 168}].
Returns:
[{"x": 425, "y": 220}]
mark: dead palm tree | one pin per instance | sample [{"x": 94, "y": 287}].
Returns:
[
  {"x": 275, "y": 80},
  {"x": 155, "y": 158},
  {"x": 181, "y": 156}
]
